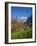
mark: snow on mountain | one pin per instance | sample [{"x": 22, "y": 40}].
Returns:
[
  {"x": 22, "y": 19},
  {"x": 19, "y": 19}
]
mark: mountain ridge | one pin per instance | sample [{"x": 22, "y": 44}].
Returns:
[{"x": 22, "y": 19}]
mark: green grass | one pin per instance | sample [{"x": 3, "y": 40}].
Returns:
[{"x": 21, "y": 34}]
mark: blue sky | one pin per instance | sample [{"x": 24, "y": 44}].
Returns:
[{"x": 21, "y": 11}]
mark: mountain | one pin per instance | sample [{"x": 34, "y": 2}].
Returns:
[
  {"x": 21, "y": 19},
  {"x": 29, "y": 21},
  {"x": 13, "y": 18}
]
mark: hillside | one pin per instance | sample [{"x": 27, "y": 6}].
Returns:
[{"x": 21, "y": 27}]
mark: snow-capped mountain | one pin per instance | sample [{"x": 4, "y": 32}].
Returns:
[
  {"x": 19, "y": 19},
  {"x": 22, "y": 19}
]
